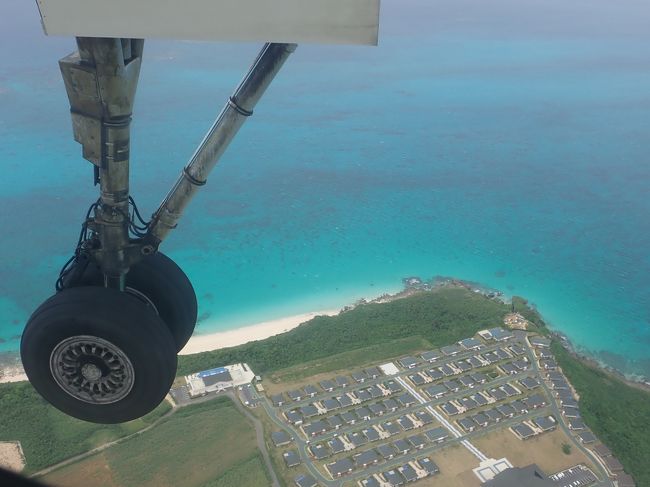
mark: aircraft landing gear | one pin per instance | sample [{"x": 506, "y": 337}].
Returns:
[
  {"x": 160, "y": 284},
  {"x": 99, "y": 354},
  {"x": 103, "y": 348}
]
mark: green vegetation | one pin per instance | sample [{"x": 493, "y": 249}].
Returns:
[
  {"x": 250, "y": 472},
  {"x": 207, "y": 443},
  {"x": 617, "y": 413},
  {"x": 566, "y": 448},
  {"x": 440, "y": 317},
  {"x": 49, "y": 436},
  {"x": 351, "y": 359},
  {"x": 211, "y": 444}
]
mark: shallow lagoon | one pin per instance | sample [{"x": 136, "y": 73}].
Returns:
[{"x": 507, "y": 146}]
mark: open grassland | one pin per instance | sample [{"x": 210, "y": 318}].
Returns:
[
  {"x": 616, "y": 412},
  {"x": 206, "y": 444},
  {"x": 341, "y": 363},
  {"x": 545, "y": 450},
  {"x": 441, "y": 317},
  {"x": 456, "y": 464},
  {"x": 250, "y": 472},
  {"x": 49, "y": 436}
]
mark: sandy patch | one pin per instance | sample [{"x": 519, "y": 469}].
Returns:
[
  {"x": 11, "y": 456},
  {"x": 259, "y": 331},
  {"x": 12, "y": 374}
]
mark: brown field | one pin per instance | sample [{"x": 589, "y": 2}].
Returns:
[
  {"x": 93, "y": 471},
  {"x": 456, "y": 464},
  {"x": 545, "y": 450}
]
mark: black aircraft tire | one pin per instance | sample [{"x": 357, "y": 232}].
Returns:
[
  {"x": 165, "y": 285},
  {"x": 102, "y": 339}
]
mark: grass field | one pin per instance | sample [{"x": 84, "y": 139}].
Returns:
[
  {"x": 47, "y": 435},
  {"x": 325, "y": 368},
  {"x": 206, "y": 444},
  {"x": 250, "y": 472}
]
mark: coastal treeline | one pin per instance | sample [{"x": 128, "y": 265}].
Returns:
[
  {"x": 441, "y": 317},
  {"x": 618, "y": 413}
]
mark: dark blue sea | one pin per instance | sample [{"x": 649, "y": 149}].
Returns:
[{"x": 503, "y": 142}]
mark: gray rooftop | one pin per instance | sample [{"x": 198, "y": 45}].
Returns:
[
  {"x": 500, "y": 334},
  {"x": 393, "y": 477},
  {"x": 545, "y": 422},
  {"x": 401, "y": 445},
  {"x": 431, "y": 355},
  {"x": 280, "y": 438},
  {"x": 449, "y": 408},
  {"x": 277, "y": 399},
  {"x": 371, "y": 434},
  {"x": 408, "y": 362},
  {"x": 359, "y": 376},
  {"x": 319, "y": 451},
  {"x": 305, "y": 480},
  {"x": 291, "y": 458},
  {"x": 437, "y": 434},
  {"x": 342, "y": 381},
  {"x": 417, "y": 440},
  {"x": 408, "y": 472},
  {"x": 436, "y": 390},
  {"x": 390, "y": 427},
  {"x": 470, "y": 343},
  {"x": 365, "y": 458},
  {"x": 327, "y": 384},
  {"x": 370, "y": 482},
  {"x": 451, "y": 349},
  {"x": 587, "y": 437},
  {"x": 530, "y": 476},
  {"x": 537, "y": 341},
  {"x": 428, "y": 465},
  {"x": 373, "y": 371},
  {"x": 386, "y": 451},
  {"x": 467, "y": 424},
  {"x": 217, "y": 378},
  {"x": 529, "y": 382},
  {"x": 340, "y": 467},
  {"x": 330, "y": 404},
  {"x": 336, "y": 445},
  {"x": 523, "y": 430}
]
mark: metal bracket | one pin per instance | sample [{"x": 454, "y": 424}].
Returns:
[{"x": 101, "y": 78}]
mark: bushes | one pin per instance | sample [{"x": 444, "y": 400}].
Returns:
[{"x": 47, "y": 435}]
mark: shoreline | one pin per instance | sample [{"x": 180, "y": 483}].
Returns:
[
  {"x": 250, "y": 333},
  {"x": 11, "y": 369}
]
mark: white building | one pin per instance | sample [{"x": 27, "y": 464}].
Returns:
[{"x": 219, "y": 379}]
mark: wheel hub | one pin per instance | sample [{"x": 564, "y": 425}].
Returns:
[{"x": 92, "y": 369}]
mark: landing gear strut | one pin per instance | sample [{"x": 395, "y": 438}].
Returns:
[{"x": 103, "y": 348}]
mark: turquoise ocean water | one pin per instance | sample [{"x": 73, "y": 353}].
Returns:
[{"x": 500, "y": 142}]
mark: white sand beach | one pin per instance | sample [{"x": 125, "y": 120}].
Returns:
[
  {"x": 12, "y": 374},
  {"x": 251, "y": 333},
  {"x": 212, "y": 341}
]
